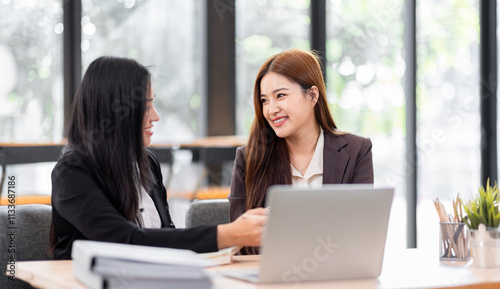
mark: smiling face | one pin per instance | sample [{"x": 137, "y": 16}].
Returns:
[
  {"x": 288, "y": 109},
  {"x": 150, "y": 116}
]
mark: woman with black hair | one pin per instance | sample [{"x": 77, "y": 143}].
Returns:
[{"x": 108, "y": 187}]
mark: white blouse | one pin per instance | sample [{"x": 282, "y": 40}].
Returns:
[
  {"x": 150, "y": 217},
  {"x": 313, "y": 177}
]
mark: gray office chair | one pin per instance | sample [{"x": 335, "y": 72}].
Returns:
[
  {"x": 27, "y": 231},
  {"x": 207, "y": 212}
]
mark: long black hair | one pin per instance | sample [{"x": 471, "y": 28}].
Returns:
[{"x": 107, "y": 129}]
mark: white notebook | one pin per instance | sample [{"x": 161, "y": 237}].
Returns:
[{"x": 101, "y": 264}]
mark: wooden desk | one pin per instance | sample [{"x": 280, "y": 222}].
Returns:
[
  {"x": 26, "y": 153},
  {"x": 411, "y": 268},
  {"x": 208, "y": 150},
  {"x": 27, "y": 199},
  {"x": 212, "y": 152}
]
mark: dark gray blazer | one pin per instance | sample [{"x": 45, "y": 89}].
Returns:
[{"x": 346, "y": 159}]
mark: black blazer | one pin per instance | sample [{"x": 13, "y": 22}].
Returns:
[
  {"x": 81, "y": 209},
  {"x": 346, "y": 159}
]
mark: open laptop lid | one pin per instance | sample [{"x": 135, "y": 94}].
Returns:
[{"x": 328, "y": 233}]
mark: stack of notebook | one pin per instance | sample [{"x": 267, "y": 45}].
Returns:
[{"x": 110, "y": 265}]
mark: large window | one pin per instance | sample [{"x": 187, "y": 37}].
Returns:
[
  {"x": 31, "y": 82},
  {"x": 264, "y": 28},
  {"x": 162, "y": 34},
  {"x": 31, "y": 85},
  {"x": 448, "y": 135},
  {"x": 365, "y": 70}
]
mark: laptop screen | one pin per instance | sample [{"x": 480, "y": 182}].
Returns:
[{"x": 327, "y": 233}]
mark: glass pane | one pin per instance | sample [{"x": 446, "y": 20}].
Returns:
[
  {"x": 492, "y": 82},
  {"x": 264, "y": 28},
  {"x": 31, "y": 85},
  {"x": 448, "y": 107},
  {"x": 163, "y": 34},
  {"x": 365, "y": 70}
]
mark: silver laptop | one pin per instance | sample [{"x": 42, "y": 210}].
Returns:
[{"x": 329, "y": 233}]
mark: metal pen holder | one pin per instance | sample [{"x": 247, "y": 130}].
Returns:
[{"x": 454, "y": 241}]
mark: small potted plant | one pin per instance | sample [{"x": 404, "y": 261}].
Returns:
[{"x": 483, "y": 218}]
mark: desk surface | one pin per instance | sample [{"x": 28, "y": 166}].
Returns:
[{"x": 410, "y": 268}]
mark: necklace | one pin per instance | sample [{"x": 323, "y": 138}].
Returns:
[
  {"x": 308, "y": 163},
  {"x": 300, "y": 171}
]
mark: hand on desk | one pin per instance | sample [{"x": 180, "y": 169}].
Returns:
[{"x": 246, "y": 230}]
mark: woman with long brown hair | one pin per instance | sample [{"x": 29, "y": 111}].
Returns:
[{"x": 293, "y": 139}]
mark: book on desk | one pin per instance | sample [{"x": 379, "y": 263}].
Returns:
[
  {"x": 110, "y": 265},
  {"x": 223, "y": 256}
]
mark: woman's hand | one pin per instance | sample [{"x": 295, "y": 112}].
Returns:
[{"x": 246, "y": 230}]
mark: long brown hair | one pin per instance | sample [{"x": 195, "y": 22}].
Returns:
[{"x": 267, "y": 158}]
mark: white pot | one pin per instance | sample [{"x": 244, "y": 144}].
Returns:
[{"x": 485, "y": 245}]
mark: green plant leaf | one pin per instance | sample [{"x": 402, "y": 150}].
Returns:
[{"x": 483, "y": 209}]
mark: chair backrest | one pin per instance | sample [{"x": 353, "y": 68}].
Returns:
[
  {"x": 207, "y": 212},
  {"x": 26, "y": 237}
]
